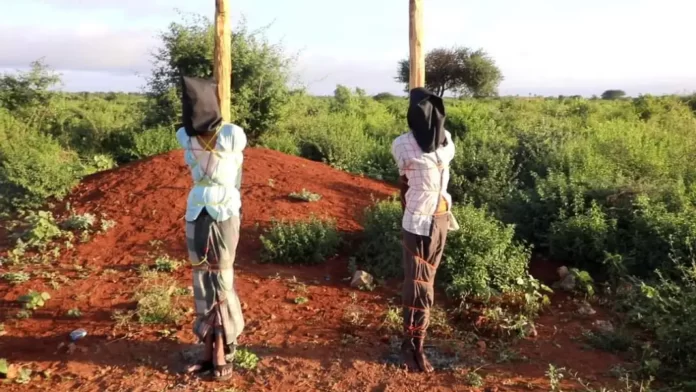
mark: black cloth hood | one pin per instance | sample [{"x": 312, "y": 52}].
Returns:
[
  {"x": 426, "y": 119},
  {"x": 200, "y": 106}
]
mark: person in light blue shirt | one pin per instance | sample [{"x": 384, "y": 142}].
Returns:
[{"x": 213, "y": 152}]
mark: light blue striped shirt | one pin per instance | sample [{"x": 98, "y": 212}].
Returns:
[{"x": 217, "y": 174}]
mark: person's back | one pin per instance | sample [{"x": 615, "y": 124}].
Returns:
[
  {"x": 427, "y": 175},
  {"x": 213, "y": 152},
  {"x": 423, "y": 156},
  {"x": 216, "y": 171}
]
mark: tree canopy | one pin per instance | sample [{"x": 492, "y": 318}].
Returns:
[
  {"x": 458, "y": 70},
  {"x": 613, "y": 94},
  {"x": 260, "y": 73}
]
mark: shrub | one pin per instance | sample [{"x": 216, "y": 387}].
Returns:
[
  {"x": 280, "y": 141},
  {"x": 245, "y": 359},
  {"x": 304, "y": 242},
  {"x": 660, "y": 239},
  {"x": 379, "y": 252},
  {"x": 33, "y": 166},
  {"x": 158, "y": 300},
  {"x": 153, "y": 142},
  {"x": 480, "y": 259},
  {"x": 259, "y": 85},
  {"x": 34, "y": 300},
  {"x": 666, "y": 309},
  {"x": 79, "y": 222},
  {"x": 16, "y": 277},
  {"x": 583, "y": 239},
  {"x": 41, "y": 228},
  {"x": 166, "y": 264}
]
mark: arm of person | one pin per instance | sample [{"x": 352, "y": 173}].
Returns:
[
  {"x": 239, "y": 143},
  {"x": 403, "y": 180},
  {"x": 403, "y": 187},
  {"x": 181, "y": 137}
]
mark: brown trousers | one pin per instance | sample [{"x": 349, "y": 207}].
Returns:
[{"x": 421, "y": 258}]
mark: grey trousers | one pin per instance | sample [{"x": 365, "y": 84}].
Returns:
[{"x": 212, "y": 246}]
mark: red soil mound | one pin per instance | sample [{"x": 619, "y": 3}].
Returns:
[
  {"x": 147, "y": 199},
  {"x": 336, "y": 341}
]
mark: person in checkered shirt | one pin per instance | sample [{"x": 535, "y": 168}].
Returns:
[{"x": 423, "y": 156}]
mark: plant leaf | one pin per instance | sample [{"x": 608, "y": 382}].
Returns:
[{"x": 4, "y": 368}]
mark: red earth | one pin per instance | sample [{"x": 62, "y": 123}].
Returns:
[{"x": 334, "y": 342}]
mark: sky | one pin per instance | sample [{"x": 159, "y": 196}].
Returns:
[{"x": 543, "y": 47}]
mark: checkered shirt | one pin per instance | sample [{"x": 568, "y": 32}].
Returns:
[{"x": 428, "y": 176}]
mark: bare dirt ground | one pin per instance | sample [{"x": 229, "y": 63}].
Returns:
[{"x": 334, "y": 342}]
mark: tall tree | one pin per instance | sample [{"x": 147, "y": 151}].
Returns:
[
  {"x": 613, "y": 94},
  {"x": 259, "y": 81},
  {"x": 458, "y": 70}
]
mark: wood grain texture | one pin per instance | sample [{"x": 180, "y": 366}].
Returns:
[
  {"x": 222, "y": 66},
  {"x": 417, "y": 59}
]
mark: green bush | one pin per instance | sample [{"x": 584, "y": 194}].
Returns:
[
  {"x": 303, "y": 242},
  {"x": 33, "y": 166},
  {"x": 481, "y": 258},
  {"x": 583, "y": 239},
  {"x": 153, "y": 142},
  {"x": 379, "y": 252},
  {"x": 279, "y": 141},
  {"x": 40, "y": 228},
  {"x": 666, "y": 310},
  {"x": 660, "y": 239},
  {"x": 259, "y": 85}
]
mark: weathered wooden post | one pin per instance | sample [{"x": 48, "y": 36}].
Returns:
[
  {"x": 222, "y": 66},
  {"x": 417, "y": 59}
]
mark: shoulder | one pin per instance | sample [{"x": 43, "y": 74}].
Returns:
[
  {"x": 234, "y": 135},
  {"x": 401, "y": 141},
  {"x": 450, "y": 147},
  {"x": 448, "y": 136}
]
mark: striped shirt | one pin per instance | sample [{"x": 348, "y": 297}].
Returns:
[
  {"x": 217, "y": 174},
  {"x": 428, "y": 176}
]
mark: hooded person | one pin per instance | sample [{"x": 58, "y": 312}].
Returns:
[
  {"x": 213, "y": 151},
  {"x": 423, "y": 156}
]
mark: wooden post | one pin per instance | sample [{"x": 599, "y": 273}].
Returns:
[
  {"x": 415, "y": 34},
  {"x": 222, "y": 66}
]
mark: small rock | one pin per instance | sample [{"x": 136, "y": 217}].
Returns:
[
  {"x": 12, "y": 372},
  {"x": 531, "y": 330},
  {"x": 604, "y": 326},
  {"x": 568, "y": 283},
  {"x": 361, "y": 279},
  {"x": 586, "y": 310},
  {"x": 562, "y": 272}
]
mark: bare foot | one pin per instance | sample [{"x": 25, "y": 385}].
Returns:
[
  {"x": 200, "y": 367},
  {"x": 408, "y": 356},
  {"x": 423, "y": 362}
]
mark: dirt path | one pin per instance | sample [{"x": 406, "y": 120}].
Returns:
[{"x": 334, "y": 342}]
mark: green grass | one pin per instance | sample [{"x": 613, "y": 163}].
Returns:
[
  {"x": 245, "y": 359},
  {"x": 158, "y": 300},
  {"x": 303, "y": 242},
  {"x": 305, "y": 196},
  {"x": 16, "y": 278}
]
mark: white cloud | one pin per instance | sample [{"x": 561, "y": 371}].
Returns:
[
  {"x": 88, "y": 47},
  {"x": 130, "y": 6}
]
